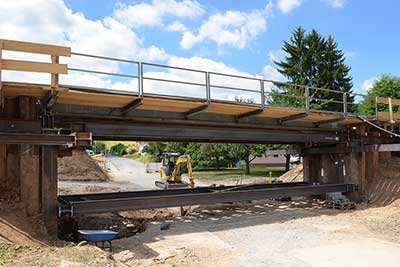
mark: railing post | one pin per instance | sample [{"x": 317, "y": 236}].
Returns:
[
  {"x": 140, "y": 79},
  {"x": 208, "y": 88},
  {"x": 307, "y": 92},
  {"x": 391, "y": 110},
  {"x": 55, "y": 76},
  {"x": 376, "y": 108},
  {"x": 262, "y": 93},
  {"x": 345, "y": 104}
]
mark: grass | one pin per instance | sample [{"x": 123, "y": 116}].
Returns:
[
  {"x": 237, "y": 174},
  {"x": 6, "y": 252},
  {"x": 110, "y": 144}
]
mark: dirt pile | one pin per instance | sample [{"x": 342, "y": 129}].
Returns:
[
  {"x": 294, "y": 175},
  {"x": 385, "y": 189},
  {"x": 80, "y": 167}
]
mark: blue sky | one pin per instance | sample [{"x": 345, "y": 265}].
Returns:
[{"x": 230, "y": 36}]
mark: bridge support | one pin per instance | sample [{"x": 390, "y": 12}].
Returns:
[{"x": 357, "y": 167}]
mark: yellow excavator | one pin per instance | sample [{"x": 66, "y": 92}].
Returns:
[{"x": 170, "y": 171}]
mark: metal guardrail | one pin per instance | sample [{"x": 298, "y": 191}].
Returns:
[{"x": 264, "y": 89}]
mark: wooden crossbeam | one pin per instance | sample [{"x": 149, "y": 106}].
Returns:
[
  {"x": 196, "y": 110},
  {"x": 132, "y": 105},
  {"x": 36, "y": 48},
  {"x": 292, "y": 117},
  {"x": 21, "y": 65},
  {"x": 318, "y": 123},
  {"x": 249, "y": 114}
]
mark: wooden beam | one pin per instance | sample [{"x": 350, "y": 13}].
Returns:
[
  {"x": 55, "y": 76},
  {"x": 20, "y": 65},
  {"x": 385, "y": 100},
  {"x": 249, "y": 114},
  {"x": 49, "y": 188},
  {"x": 132, "y": 105},
  {"x": 36, "y": 48},
  {"x": 292, "y": 117},
  {"x": 197, "y": 110}
]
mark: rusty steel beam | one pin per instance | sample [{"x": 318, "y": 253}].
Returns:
[
  {"x": 35, "y": 139},
  {"x": 292, "y": 118},
  {"x": 249, "y": 114},
  {"x": 195, "y": 111},
  {"x": 114, "y": 202}
]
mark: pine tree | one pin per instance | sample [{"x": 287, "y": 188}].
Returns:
[{"x": 315, "y": 61}]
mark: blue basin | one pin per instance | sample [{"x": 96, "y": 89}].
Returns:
[{"x": 97, "y": 235}]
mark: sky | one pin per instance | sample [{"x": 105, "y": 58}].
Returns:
[{"x": 237, "y": 37}]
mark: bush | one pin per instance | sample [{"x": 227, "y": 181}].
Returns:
[
  {"x": 118, "y": 150},
  {"x": 99, "y": 147}
]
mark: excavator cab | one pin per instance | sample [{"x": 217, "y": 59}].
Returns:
[
  {"x": 168, "y": 162},
  {"x": 171, "y": 173}
]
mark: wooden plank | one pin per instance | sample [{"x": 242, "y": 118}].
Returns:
[
  {"x": 385, "y": 100},
  {"x": 385, "y": 116},
  {"x": 20, "y": 65},
  {"x": 36, "y": 48}
]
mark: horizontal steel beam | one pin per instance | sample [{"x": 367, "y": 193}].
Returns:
[
  {"x": 176, "y": 132},
  {"x": 35, "y": 139},
  {"x": 114, "y": 202},
  {"x": 358, "y": 148}
]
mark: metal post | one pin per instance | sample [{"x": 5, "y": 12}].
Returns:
[
  {"x": 345, "y": 104},
  {"x": 262, "y": 93},
  {"x": 140, "y": 79},
  {"x": 376, "y": 108},
  {"x": 307, "y": 92},
  {"x": 208, "y": 87}
]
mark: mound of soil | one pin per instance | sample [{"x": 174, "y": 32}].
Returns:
[
  {"x": 294, "y": 175},
  {"x": 80, "y": 167}
]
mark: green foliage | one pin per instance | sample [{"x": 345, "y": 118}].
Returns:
[
  {"x": 385, "y": 86},
  {"x": 99, "y": 147},
  {"x": 155, "y": 148},
  {"x": 246, "y": 152},
  {"x": 118, "y": 149},
  {"x": 313, "y": 60}
]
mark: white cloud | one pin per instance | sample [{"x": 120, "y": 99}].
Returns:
[
  {"x": 349, "y": 54},
  {"x": 176, "y": 26},
  {"x": 144, "y": 14},
  {"x": 21, "y": 20},
  {"x": 336, "y": 3},
  {"x": 368, "y": 84},
  {"x": 276, "y": 55},
  {"x": 271, "y": 73},
  {"x": 288, "y": 5},
  {"x": 233, "y": 28}
]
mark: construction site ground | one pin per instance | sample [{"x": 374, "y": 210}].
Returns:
[{"x": 300, "y": 232}]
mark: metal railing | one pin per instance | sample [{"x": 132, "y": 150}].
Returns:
[{"x": 262, "y": 92}]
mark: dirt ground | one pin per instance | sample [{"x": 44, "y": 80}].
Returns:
[
  {"x": 80, "y": 167},
  {"x": 263, "y": 233},
  {"x": 269, "y": 233}
]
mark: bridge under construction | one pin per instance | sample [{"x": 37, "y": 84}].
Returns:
[{"x": 46, "y": 118}]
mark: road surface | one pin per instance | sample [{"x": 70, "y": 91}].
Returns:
[{"x": 125, "y": 170}]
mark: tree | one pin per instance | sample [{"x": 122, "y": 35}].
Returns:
[
  {"x": 246, "y": 152},
  {"x": 385, "y": 86},
  {"x": 99, "y": 147},
  {"x": 314, "y": 61},
  {"x": 214, "y": 152}
]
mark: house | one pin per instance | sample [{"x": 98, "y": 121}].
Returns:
[{"x": 275, "y": 159}]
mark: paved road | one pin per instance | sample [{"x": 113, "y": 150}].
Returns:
[{"x": 124, "y": 170}]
